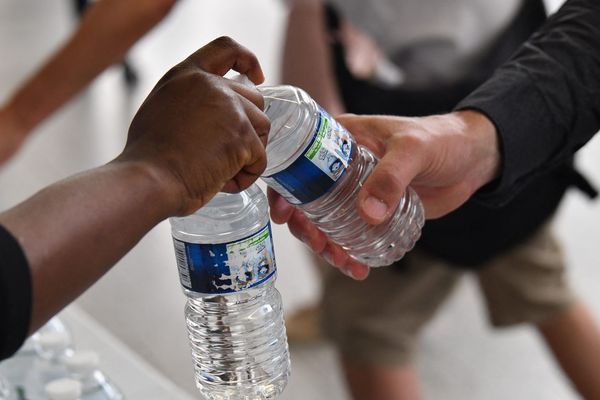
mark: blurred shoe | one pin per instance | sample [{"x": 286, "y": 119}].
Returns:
[
  {"x": 304, "y": 325},
  {"x": 129, "y": 75}
]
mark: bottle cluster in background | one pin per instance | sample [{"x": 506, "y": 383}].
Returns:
[{"x": 47, "y": 367}]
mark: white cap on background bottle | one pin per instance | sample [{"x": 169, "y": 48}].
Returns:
[
  {"x": 64, "y": 389},
  {"x": 53, "y": 341},
  {"x": 82, "y": 363}
]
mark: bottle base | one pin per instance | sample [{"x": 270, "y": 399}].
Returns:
[
  {"x": 407, "y": 227},
  {"x": 268, "y": 391},
  {"x": 374, "y": 245}
]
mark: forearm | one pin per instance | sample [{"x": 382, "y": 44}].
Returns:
[
  {"x": 545, "y": 102},
  {"x": 306, "y": 57},
  {"x": 107, "y": 30},
  {"x": 73, "y": 231}
]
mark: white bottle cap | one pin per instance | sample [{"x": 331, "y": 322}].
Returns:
[
  {"x": 64, "y": 389},
  {"x": 53, "y": 341},
  {"x": 82, "y": 362}
]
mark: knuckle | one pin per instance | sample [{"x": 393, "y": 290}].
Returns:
[
  {"x": 225, "y": 41},
  {"x": 241, "y": 125},
  {"x": 239, "y": 154},
  {"x": 409, "y": 140},
  {"x": 173, "y": 73},
  {"x": 388, "y": 180},
  {"x": 263, "y": 125},
  {"x": 258, "y": 100},
  {"x": 253, "y": 62},
  {"x": 196, "y": 79}
]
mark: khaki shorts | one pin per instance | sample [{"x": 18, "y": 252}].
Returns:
[{"x": 377, "y": 320}]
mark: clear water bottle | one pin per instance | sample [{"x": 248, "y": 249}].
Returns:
[
  {"x": 234, "y": 313},
  {"x": 55, "y": 324},
  {"x": 63, "y": 389},
  {"x": 83, "y": 366},
  {"x": 315, "y": 164}
]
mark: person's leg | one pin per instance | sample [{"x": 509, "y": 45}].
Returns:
[
  {"x": 574, "y": 339},
  {"x": 303, "y": 325},
  {"x": 381, "y": 382},
  {"x": 375, "y": 323},
  {"x": 528, "y": 285}
]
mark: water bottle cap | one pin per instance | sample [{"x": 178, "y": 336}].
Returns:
[
  {"x": 64, "y": 389},
  {"x": 53, "y": 341},
  {"x": 82, "y": 362}
]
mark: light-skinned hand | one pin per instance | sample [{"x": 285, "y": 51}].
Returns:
[{"x": 444, "y": 158}]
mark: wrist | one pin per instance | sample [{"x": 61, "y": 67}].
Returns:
[
  {"x": 485, "y": 144},
  {"x": 159, "y": 191}
]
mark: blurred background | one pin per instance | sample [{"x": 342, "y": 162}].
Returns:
[{"x": 139, "y": 302}]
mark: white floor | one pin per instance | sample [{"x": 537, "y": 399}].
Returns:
[{"x": 140, "y": 301}]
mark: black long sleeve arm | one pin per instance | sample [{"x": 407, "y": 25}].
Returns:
[
  {"x": 545, "y": 101},
  {"x": 15, "y": 295}
]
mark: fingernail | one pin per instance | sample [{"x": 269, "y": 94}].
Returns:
[
  {"x": 348, "y": 273},
  {"x": 375, "y": 208},
  {"x": 327, "y": 256}
]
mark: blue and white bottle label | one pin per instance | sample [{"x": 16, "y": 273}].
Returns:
[
  {"x": 226, "y": 267},
  {"x": 323, "y": 163}
]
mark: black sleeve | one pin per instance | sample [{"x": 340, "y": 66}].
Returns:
[
  {"x": 15, "y": 295},
  {"x": 544, "y": 102}
]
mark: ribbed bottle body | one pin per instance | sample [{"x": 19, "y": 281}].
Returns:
[
  {"x": 238, "y": 342},
  {"x": 335, "y": 213}
]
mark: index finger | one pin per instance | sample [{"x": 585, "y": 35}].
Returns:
[
  {"x": 365, "y": 130},
  {"x": 281, "y": 210},
  {"x": 223, "y": 54}
]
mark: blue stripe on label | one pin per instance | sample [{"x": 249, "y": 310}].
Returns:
[
  {"x": 227, "y": 267},
  {"x": 314, "y": 173},
  {"x": 304, "y": 180}
]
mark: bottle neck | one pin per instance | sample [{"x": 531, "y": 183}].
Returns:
[{"x": 293, "y": 123}]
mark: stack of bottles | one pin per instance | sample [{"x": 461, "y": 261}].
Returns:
[
  {"x": 6, "y": 390},
  {"x": 47, "y": 365}
]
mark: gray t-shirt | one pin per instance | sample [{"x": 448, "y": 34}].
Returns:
[{"x": 431, "y": 37}]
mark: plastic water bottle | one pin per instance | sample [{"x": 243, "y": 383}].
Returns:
[
  {"x": 315, "y": 164},
  {"x": 63, "y": 389},
  {"x": 83, "y": 366},
  {"x": 234, "y": 313}
]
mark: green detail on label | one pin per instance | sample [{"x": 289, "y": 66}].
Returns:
[
  {"x": 314, "y": 149},
  {"x": 257, "y": 239}
]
